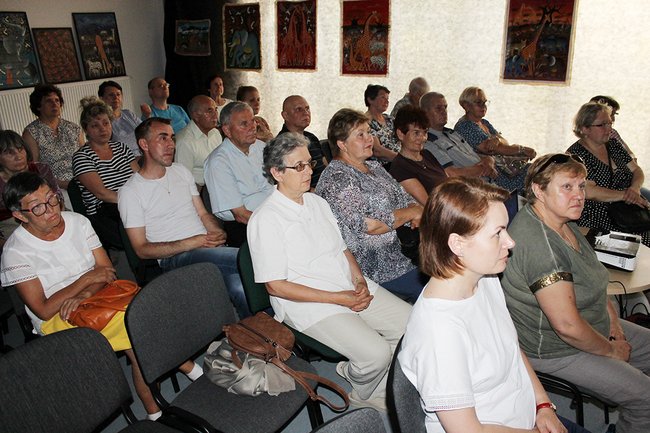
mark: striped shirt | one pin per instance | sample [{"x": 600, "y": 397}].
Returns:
[{"x": 113, "y": 172}]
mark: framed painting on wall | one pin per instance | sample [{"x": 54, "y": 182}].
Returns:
[
  {"x": 192, "y": 38},
  {"x": 365, "y": 47},
  {"x": 296, "y": 34},
  {"x": 18, "y": 64},
  {"x": 99, "y": 44},
  {"x": 538, "y": 40},
  {"x": 57, "y": 55},
  {"x": 241, "y": 36}
]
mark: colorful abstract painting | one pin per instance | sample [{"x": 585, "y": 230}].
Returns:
[
  {"x": 241, "y": 35},
  {"x": 192, "y": 38},
  {"x": 18, "y": 65},
  {"x": 365, "y": 47},
  {"x": 99, "y": 43},
  {"x": 296, "y": 34},
  {"x": 57, "y": 54},
  {"x": 538, "y": 40}
]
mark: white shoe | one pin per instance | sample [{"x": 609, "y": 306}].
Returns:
[{"x": 375, "y": 403}]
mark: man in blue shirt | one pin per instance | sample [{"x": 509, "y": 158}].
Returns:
[{"x": 159, "y": 93}]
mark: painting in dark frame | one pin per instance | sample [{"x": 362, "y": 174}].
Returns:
[
  {"x": 192, "y": 38},
  {"x": 99, "y": 44},
  {"x": 57, "y": 54},
  {"x": 241, "y": 35},
  {"x": 296, "y": 34},
  {"x": 18, "y": 63},
  {"x": 365, "y": 37}
]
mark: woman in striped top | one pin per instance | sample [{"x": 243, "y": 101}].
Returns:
[{"x": 101, "y": 167}]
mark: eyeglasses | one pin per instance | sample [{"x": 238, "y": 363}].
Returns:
[
  {"x": 41, "y": 208},
  {"x": 303, "y": 165},
  {"x": 161, "y": 86},
  {"x": 484, "y": 103},
  {"x": 559, "y": 158},
  {"x": 602, "y": 125}
]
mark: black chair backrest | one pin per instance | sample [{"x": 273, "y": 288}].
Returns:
[
  {"x": 69, "y": 381},
  {"x": 407, "y": 415},
  {"x": 175, "y": 316},
  {"x": 364, "y": 420},
  {"x": 74, "y": 192}
]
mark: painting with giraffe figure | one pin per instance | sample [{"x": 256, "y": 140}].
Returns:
[
  {"x": 365, "y": 25},
  {"x": 296, "y": 34},
  {"x": 538, "y": 40}
]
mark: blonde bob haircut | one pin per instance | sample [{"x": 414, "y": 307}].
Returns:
[
  {"x": 541, "y": 172},
  {"x": 458, "y": 205},
  {"x": 469, "y": 95}
]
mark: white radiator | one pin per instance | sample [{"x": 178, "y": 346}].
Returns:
[{"x": 14, "y": 104}]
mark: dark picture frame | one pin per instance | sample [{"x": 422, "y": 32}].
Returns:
[
  {"x": 296, "y": 34},
  {"x": 192, "y": 38},
  {"x": 365, "y": 26},
  {"x": 241, "y": 36},
  {"x": 99, "y": 45},
  {"x": 57, "y": 54},
  {"x": 18, "y": 61}
]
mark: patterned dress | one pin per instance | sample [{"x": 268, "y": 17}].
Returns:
[
  {"x": 56, "y": 148},
  {"x": 386, "y": 133}
]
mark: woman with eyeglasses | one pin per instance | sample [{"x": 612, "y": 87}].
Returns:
[
  {"x": 55, "y": 260},
  {"x": 556, "y": 291},
  {"x": 612, "y": 173},
  {"x": 369, "y": 205},
  {"x": 485, "y": 139},
  {"x": 315, "y": 283}
]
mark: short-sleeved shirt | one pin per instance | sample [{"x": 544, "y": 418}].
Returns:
[
  {"x": 164, "y": 206},
  {"x": 113, "y": 172},
  {"x": 539, "y": 259},
  {"x": 235, "y": 179},
  {"x": 450, "y": 148},
  {"x": 175, "y": 113},
  {"x": 193, "y": 148},
  {"x": 56, "y": 148},
  {"x": 301, "y": 244},
  {"x": 353, "y": 196},
  {"x": 124, "y": 130},
  {"x": 56, "y": 263},
  {"x": 315, "y": 152},
  {"x": 461, "y": 354},
  {"x": 428, "y": 171}
]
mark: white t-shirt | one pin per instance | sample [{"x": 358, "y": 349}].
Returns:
[
  {"x": 461, "y": 354},
  {"x": 301, "y": 244},
  {"x": 57, "y": 263},
  {"x": 164, "y": 206}
]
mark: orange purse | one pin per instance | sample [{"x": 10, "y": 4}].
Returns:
[{"x": 96, "y": 311}]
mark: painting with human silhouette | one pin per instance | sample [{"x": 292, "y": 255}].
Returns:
[
  {"x": 538, "y": 40},
  {"x": 241, "y": 36},
  {"x": 18, "y": 64},
  {"x": 99, "y": 45},
  {"x": 365, "y": 26},
  {"x": 296, "y": 32}
]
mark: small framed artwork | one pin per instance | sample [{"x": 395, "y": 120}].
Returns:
[
  {"x": 18, "y": 64},
  {"x": 192, "y": 38},
  {"x": 241, "y": 36},
  {"x": 538, "y": 40},
  {"x": 99, "y": 44},
  {"x": 57, "y": 54},
  {"x": 296, "y": 32},
  {"x": 365, "y": 26}
]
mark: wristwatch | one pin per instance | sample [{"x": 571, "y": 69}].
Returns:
[{"x": 545, "y": 405}]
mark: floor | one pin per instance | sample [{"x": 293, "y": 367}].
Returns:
[{"x": 594, "y": 420}]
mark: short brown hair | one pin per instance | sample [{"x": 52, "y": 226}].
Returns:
[
  {"x": 543, "y": 177},
  {"x": 586, "y": 116},
  {"x": 458, "y": 205},
  {"x": 341, "y": 125}
]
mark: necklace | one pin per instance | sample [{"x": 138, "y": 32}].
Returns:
[{"x": 166, "y": 188}]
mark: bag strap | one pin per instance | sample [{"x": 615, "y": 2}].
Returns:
[
  {"x": 301, "y": 377},
  {"x": 280, "y": 350}
]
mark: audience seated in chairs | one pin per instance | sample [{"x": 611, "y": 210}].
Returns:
[
  {"x": 159, "y": 93},
  {"x": 101, "y": 167},
  {"x": 124, "y": 121},
  {"x": 315, "y": 283},
  {"x": 251, "y": 96},
  {"x": 385, "y": 144}
]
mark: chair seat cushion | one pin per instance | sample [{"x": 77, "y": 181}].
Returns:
[{"x": 234, "y": 413}]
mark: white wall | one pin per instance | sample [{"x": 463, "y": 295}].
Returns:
[
  {"x": 140, "y": 24},
  {"x": 458, "y": 43}
]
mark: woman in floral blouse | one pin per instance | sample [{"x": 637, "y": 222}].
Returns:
[{"x": 385, "y": 144}]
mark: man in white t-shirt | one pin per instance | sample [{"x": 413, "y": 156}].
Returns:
[{"x": 164, "y": 216}]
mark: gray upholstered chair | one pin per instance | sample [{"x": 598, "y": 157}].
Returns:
[
  {"x": 366, "y": 420},
  {"x": 173, "y": 319},
  {"x": 406, "y": 414},
  {"x": 69, "y": 381}
]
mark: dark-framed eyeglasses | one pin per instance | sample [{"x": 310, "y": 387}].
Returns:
[
  {"x": 559, "y": 158},
  {"x": 601, "y": 125},
  {"x": 303, "y": 165},
  {"x": 41, "y": 208}
]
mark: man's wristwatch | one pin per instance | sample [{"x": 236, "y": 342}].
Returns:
[{"x": 544, "y": 406}]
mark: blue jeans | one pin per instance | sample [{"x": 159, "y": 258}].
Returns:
[
  {"x": 226, "y": 260},
  {"x": 407, "y": 286}
]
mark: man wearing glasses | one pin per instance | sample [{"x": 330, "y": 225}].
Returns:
[{"x": 159, "y": 93}]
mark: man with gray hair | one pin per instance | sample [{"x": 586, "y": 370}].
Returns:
[
  {"x": 199, "y": 138},
  {"x": 233, "y": 172},
  {"x": 417, "y": 88}
]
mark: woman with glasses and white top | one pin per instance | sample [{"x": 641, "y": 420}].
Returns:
[
  {"x": 315, "y": 283},
  {"x": 612, "y": 173}
]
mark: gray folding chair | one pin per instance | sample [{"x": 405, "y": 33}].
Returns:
[
  {"x": 69, "y": 381},
  {"x": 173, "y": 319},
  {"x": 405, "y": 413},
  {"x": 366, "y": 420}
]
